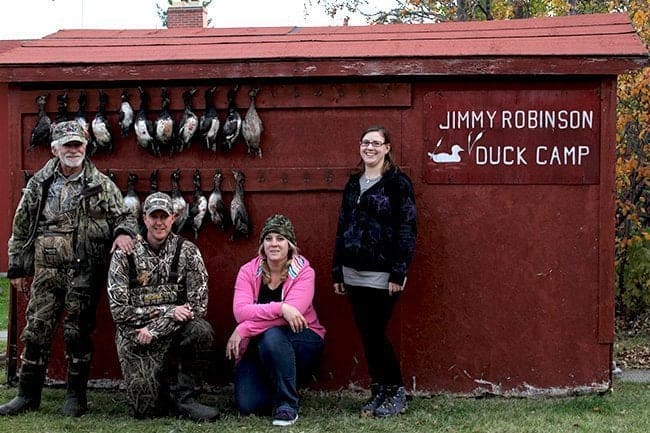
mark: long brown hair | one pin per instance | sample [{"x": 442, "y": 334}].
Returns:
[{"x": 388, "y": 160}]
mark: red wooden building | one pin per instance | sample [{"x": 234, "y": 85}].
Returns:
[{"x": 507, "y": 129}]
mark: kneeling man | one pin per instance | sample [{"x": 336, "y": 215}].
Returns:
[{"x": 158, "y": 297}]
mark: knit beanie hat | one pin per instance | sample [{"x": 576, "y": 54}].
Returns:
[{"x": 279, "y": 224}]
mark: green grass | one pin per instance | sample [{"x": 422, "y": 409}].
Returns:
[
  {"x": 625, "y": 410},
  {"x": 4, "y": 303}
]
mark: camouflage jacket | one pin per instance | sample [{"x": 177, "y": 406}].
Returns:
[
  {"x": 101, "y": 216},
  {"x": 151, "y": 300}
]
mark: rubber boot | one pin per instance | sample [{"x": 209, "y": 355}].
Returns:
[
  {"x": 30, "y": 387},
  {"x": 186, "y": 406},
  {"x": 394, "y": 404},
  {"x": 377, "y": 396},
  {"x": 76, "y": 401}
]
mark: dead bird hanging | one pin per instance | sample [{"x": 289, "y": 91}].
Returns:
[
  {"x": 199, "y": 205},
  {"x": 144, "y": 133},
  {"x": 209, "y": 124},
  {"x": 252, "y": 127},
  {"x": 126, "y": 114},
  {"x": 103, "y": 140},
  {"x": 80, "y": 116},
  {"x": 238, "y": 212},
  {"x": 189, "y": 123},
  {"x": 164, "y": 125},
  {"x": 216, "y": 205},
  {"x": 178, "y": 202},
  {"x": 232, "y": 125},
  {"x": 131, "y": 199},
  {"x": 41, "y": 132},
  {"x": 61, "y": 108}
]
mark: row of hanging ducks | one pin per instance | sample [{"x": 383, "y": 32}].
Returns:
[
  {"x": 164, "y": 134},
  {"x": 192, "y": 215}
]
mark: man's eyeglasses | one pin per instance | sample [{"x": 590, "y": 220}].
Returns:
[{"x": 373, "y": 143}]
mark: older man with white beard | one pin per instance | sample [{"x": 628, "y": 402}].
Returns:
[{"x": 64, "y": 225}]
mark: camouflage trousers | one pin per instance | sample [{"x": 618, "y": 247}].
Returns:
[
  {"x": 167, "y": 368},
  {"x": 55, "y": 291}
]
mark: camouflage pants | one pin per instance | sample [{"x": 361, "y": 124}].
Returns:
[
  {"x": 147, "y": 369},
  {"x": 54, "y": 291}
]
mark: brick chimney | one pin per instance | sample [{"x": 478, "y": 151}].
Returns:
[{"x": 185, "y": 14}]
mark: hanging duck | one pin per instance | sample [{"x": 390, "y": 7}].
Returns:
[
  {"x": 238, "y": 213},
  {"x": 126, "y": 114},
  {"x": 144, "y": 134},
  {"x": 80, "y": 116},
  {"x": 61, "y": 108},
  {"x": 209, "y": 124},
  {"x": 216, "y": 206},
  {"x": 178, "y": 202},
  {"x": 199, "y": 205},
  {"x": 131, "y": 199},
  {"x": 153, "y": 181},
  {"x": 252, "y": 127},
  {"x": 189, "y": 122},
  {"x": 100, "y": 127},
  {"x": 41, "y": 132},
  {"x": 164, "y": 125},
  {"x": 232, "y": 125}
]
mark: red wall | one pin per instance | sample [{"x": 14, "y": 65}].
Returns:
[{"x": 511, "y": 289}]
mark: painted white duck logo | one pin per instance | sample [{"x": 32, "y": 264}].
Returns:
[{"x": 454, "y": 156}]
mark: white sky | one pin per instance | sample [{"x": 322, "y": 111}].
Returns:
[{"x": 29, "y": 19}]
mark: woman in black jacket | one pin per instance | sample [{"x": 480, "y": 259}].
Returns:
[{"x": 375, "y": 240}]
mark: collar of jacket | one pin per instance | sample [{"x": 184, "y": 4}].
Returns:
[
  {"x": 384, "y": 177},
  {"x": 297, "y": 263}
]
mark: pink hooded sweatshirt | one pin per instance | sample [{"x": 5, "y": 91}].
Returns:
[{"x": 297, "y": 291}]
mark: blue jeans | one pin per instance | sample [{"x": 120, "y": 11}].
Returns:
[{"x": 274, "y": 363}]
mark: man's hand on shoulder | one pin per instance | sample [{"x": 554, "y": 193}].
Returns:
[{"x": 124, "y": 243}]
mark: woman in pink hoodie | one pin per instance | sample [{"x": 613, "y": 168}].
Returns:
[{"x": 278, "y": 339}]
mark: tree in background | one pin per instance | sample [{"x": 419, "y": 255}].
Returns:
[{"x": 633, "y": 115}]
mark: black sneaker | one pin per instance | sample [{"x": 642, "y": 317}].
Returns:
[
  {"x": 394, "y": 404},
  {"x": 284, "y": 416},
  {"x": 377, "y": 397}
]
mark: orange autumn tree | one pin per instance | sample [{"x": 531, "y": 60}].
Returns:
[
  {"x": 633, "y": 115},
  {"x": 633, "y": 177}
]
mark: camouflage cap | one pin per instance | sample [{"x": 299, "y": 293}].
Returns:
[
  {"x": 158, "y": 201},
  {"x": 65, "y": 132},
  {"x": 279, "y": 224}
]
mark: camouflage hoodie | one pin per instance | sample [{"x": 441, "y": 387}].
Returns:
[{"x": 102, "y": 216}]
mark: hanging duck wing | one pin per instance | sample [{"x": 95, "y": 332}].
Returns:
[
  {"x": 231, "y": 129},
  {"x": 144, "y": 127},
  {"x": 41, "y": 131},
  {"x": 209, "y": 123},
  {"x": 232, "y": 125},
  {"x": 216, "y": 205},
  {"x": 189, "y": 123},
  {"x": 164, "y": 125},
  {"x": 238, "y": 212},
  {"x": 100, "y": 127},
  {"x": 131, "y": 199},
  {"x": 80, "y": 117},
  {"x": 126, "y": 114},
  {"x": 252, "y": 126},
  {"x": 181, "y": 209},
  {"x": 61, "y": 108}
]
